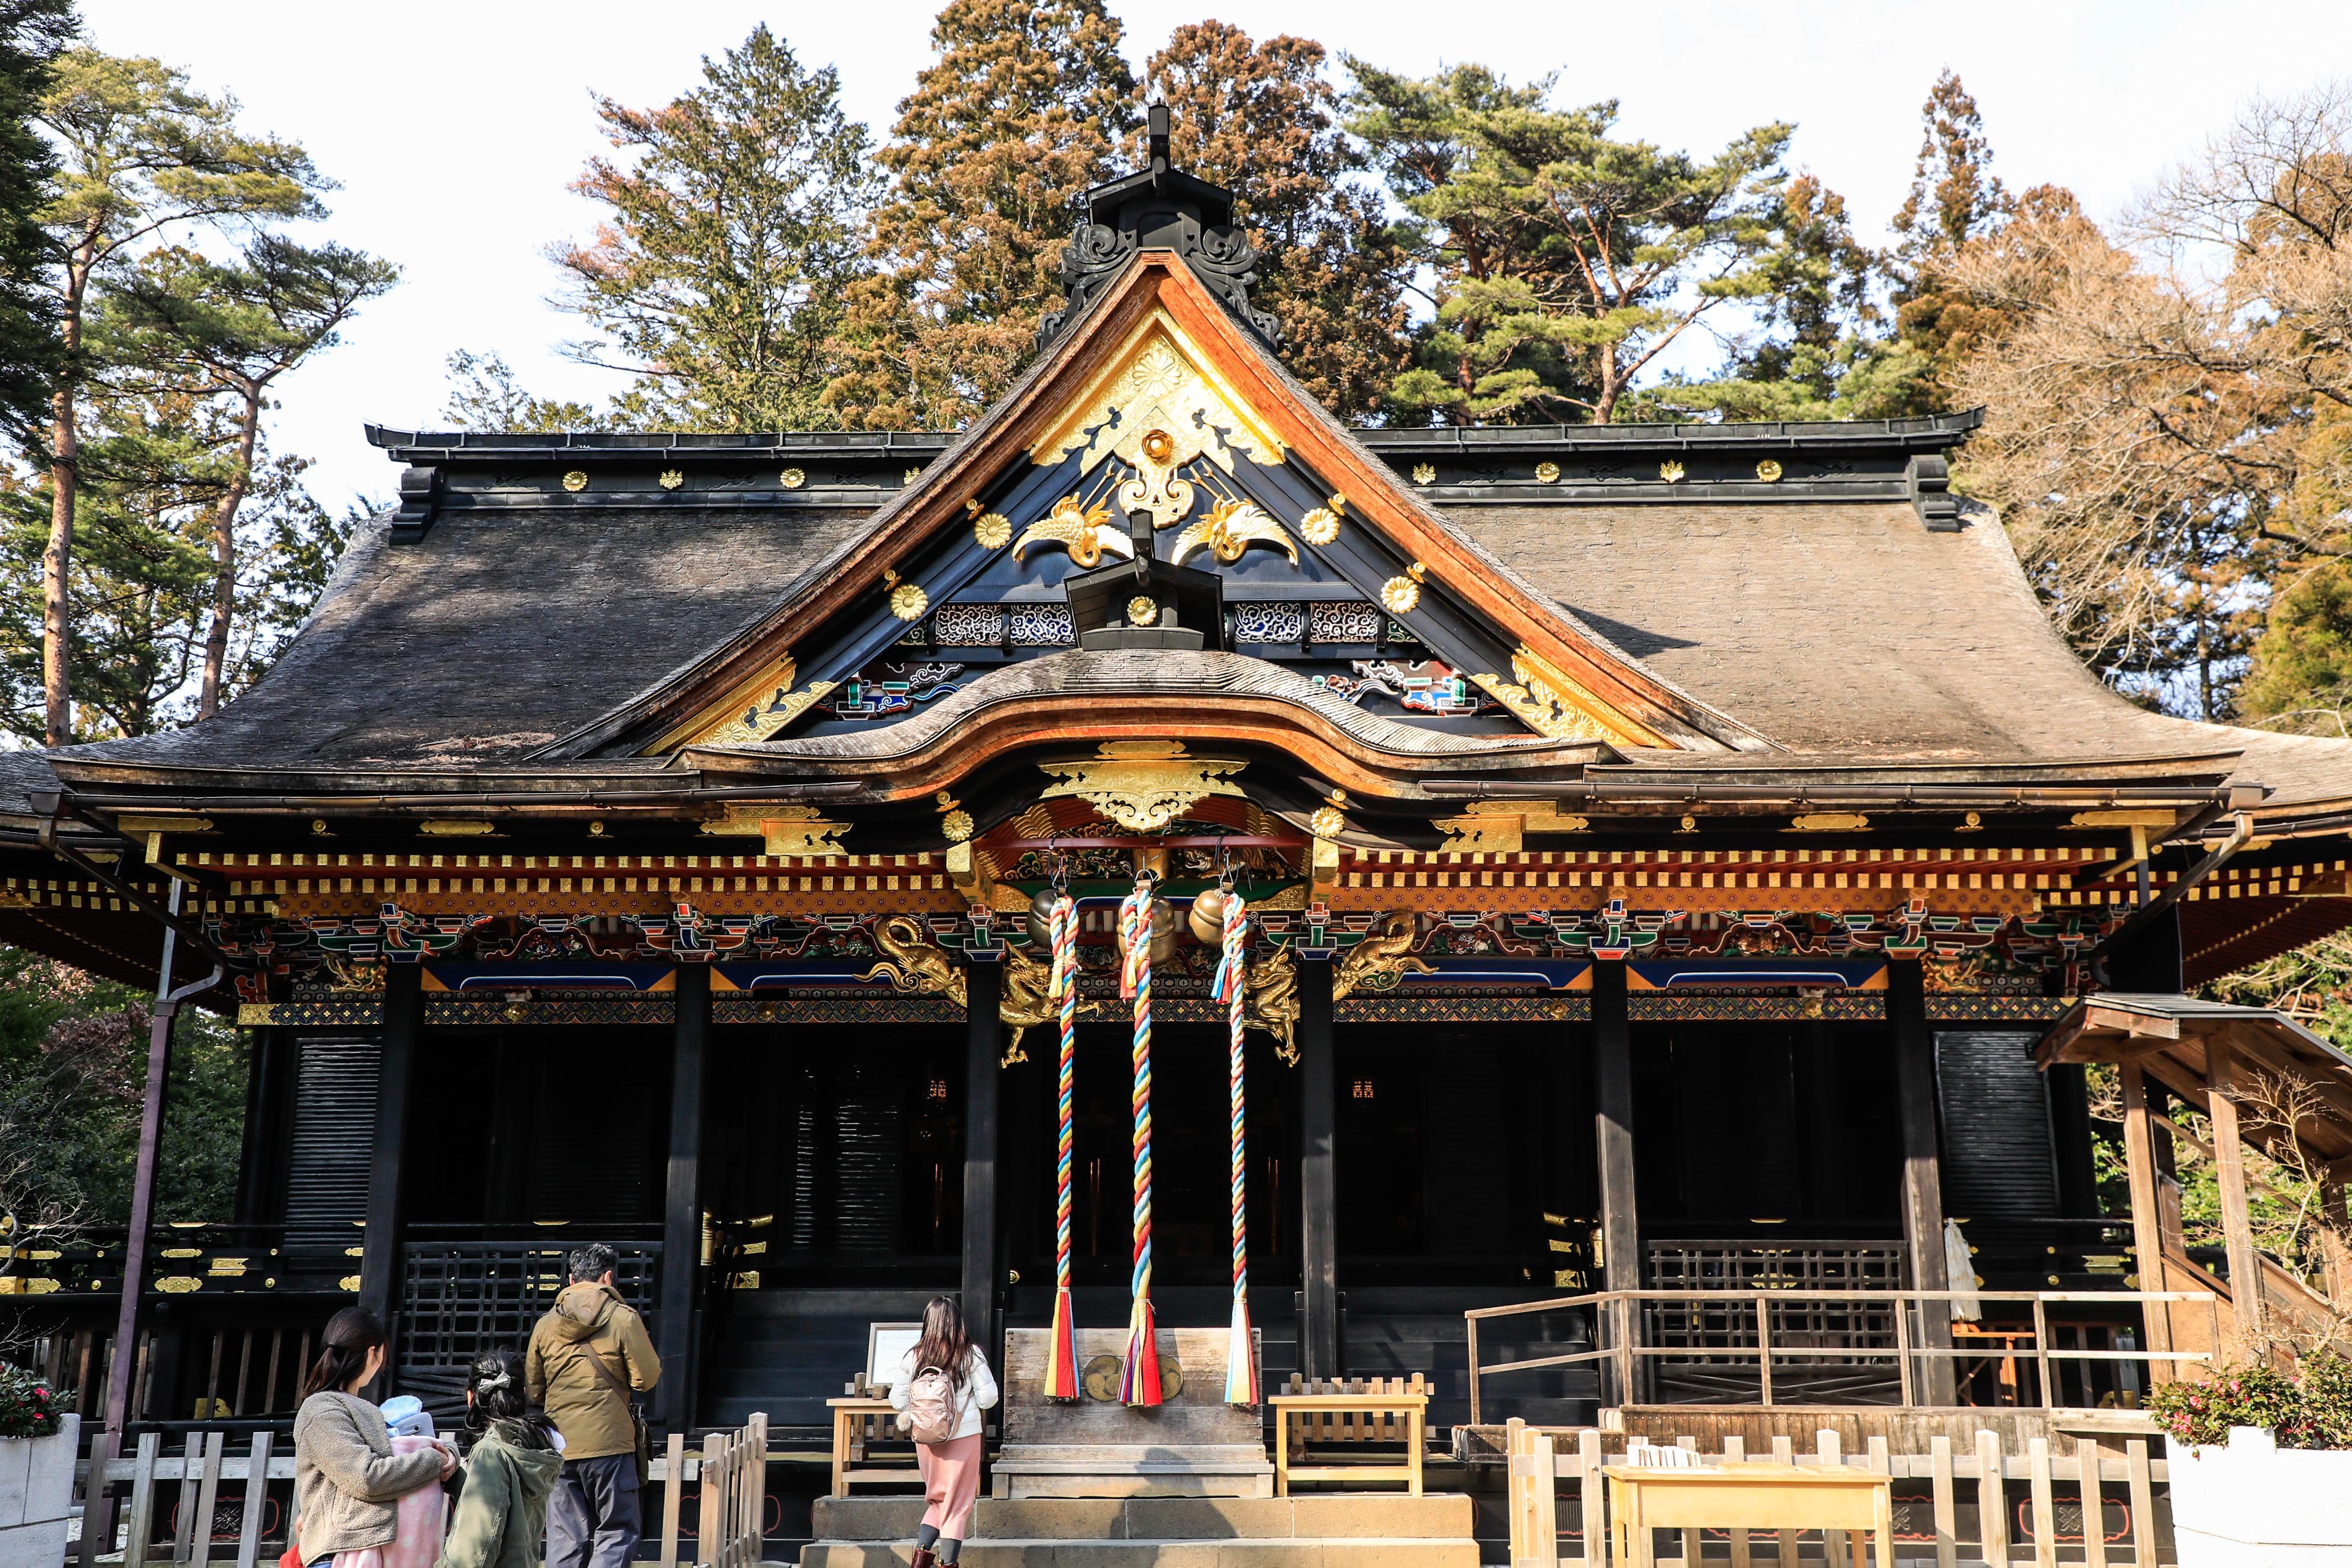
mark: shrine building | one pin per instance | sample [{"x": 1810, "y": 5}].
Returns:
[{"x": 1674, "y": 857}]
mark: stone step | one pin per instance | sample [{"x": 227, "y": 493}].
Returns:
[
  {"x": 1355, "y": 1552},
  {"x": 1389, "y": 1516}
]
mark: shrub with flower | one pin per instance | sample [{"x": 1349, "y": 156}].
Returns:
[
  {"x": 2311, "y": 1409},
  {"x": 28, "y": 1407}
]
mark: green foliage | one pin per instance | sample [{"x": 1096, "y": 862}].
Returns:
[
  {"x": 1023, "y": 111},
  {"x": 722, "y": 273},
  {"x": 32, "y": 34},
  {"x": 2310, "y": 1409},
  {"x": 139, "y": 154},
  {"x": 485, "y": 396},
  {"x": 73, "y": 1068},
  {"x": 2301, "y": 674},
  {"x": 1566, "y": 260},
  {"x": 28, "y": 1407}
]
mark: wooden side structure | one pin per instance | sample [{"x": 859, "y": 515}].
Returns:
[
  {"x": 2259, "y": 1078},
  {"x": 1557, "y": 1515}
]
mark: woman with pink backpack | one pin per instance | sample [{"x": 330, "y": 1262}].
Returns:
[{"x": 943, "y": 1384}]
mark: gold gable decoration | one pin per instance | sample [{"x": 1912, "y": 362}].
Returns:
[
  {"x": 787, "y": 830},
  {"x": 1143, "y": 785},
  {"x": 1553, "y": 704},
  {"x": 1156, "y": 409},
  {"x": 757, "y": 724}
]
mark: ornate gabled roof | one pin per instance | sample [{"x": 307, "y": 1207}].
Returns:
[{"x": 1244, "y": 457}]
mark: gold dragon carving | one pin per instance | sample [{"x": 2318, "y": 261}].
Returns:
[
  {"x": 1382, "y": 959},
  {"x": 916, "y": 963},
  {"x": 1270, "y": 1002},
  {"x": 1024, "y": 1004}
]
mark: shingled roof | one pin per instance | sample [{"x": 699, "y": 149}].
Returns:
[{"x": 1844, "y": 630}]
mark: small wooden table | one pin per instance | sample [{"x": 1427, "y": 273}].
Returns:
[
  {"x": 1412, "y": 1407},
  {"x": 858, "y": 1420},
  {"x": 1747, "y": 1496}
]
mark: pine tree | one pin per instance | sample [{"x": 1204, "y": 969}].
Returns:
[
  {"x": 1955, "y": 201},
  {"x": 1025, "y": 110},
  {"x": 485, "y": 396},
  {"x": 1566, "y": 260},
  {"x": 230, "y": 330},
  {"x": 32, "y": 32},
  {"x": 139, "y": 154},
  {"x": 1260, "y": 119},
  {"x": 720, "y": 276}
]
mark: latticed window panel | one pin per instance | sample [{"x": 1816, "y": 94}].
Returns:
[
  {"x": 1801, "y": 1266},
  {"x": 1344, "y": 620},
  {"x": 1271, "y": 622},
  {"x": 968, "y": 625},
  {"x": 1040, "y": 625},
  {"x": 459, "y": 1298}
]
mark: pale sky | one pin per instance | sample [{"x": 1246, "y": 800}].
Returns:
[{"x": 455, "y": 129}]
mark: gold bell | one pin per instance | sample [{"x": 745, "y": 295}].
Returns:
[{"x": 1208, "y": 917}]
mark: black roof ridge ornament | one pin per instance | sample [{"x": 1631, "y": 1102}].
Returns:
[{"x": 1160, "y": 207}]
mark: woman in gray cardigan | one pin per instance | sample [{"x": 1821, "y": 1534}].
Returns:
[{"x": 348, "y": 1482}]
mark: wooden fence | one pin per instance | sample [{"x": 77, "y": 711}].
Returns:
[
  {"x": 1751, "y": 1329},
  {"x": 232, "y": 1494},
  {"x": 2122, "y": 1493}
]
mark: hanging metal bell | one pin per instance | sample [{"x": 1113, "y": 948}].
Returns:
[
  {"x": 1041, "y": 927},
  {"x": 1163, "y": 930},
  {"x": 1208, "y": 917}
]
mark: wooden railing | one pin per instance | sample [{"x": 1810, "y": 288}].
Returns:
[
  {"x": 2119, "y": 1505},
  {"x": 1742, "y": 1330},
  {"x": 231, "y": 1497}
]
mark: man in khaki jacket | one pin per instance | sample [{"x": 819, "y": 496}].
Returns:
[{"x": 586, "y": 1356}]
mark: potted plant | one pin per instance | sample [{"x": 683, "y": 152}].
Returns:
[
  {"x": 37, "y": 1440},
  {"x": 2261, "y": 1462}
]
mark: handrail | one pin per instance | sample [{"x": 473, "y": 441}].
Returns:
[{"x": 1617, "y": 1317}]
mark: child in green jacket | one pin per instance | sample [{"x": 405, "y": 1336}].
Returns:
[{"x": 501, "y": 1520}]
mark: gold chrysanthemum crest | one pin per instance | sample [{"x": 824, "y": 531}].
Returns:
[
  {"x": 908, "y": 601},
  {"x": 1401, "y": 594},
  {"x": 1320, "y": 526},
  {"x": 992, "y": 530}
]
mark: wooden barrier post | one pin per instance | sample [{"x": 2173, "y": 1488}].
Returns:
[
  {"x": 256, "y": 1500},
  {"x": 673, "y": 1496},
  {"x": 1993, "y": 1504}
]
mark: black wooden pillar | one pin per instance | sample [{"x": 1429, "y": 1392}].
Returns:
[
  {"x": 1318, "y": 1193},
  {"x": 1612, "y": 1128},
  {"x": 1922, "y": 1186},
  {"x": 681, "y": 1265},
  {"x": 268, "y": 1125},
  {"x": 2070, "y": 1126},
  {"x": 404, "y": 1014},
  {"x": 1821, "y": 1125},
  {"x": 983, "y": 1267}
]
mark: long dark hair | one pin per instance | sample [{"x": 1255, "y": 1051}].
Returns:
[
  {"x": 944, "y": 1344},
  {"x": 343, "y": 1350}
]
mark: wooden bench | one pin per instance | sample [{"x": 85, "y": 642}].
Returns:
[
  {"x": 1354, "y": 1411},
  {"x": 861, "y": 1421}
]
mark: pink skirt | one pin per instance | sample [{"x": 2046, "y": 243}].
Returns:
[{"x": 950, "y": 1482}]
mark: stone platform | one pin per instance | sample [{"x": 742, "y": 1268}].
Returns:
[{"x": 1360, "y": 1529}]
